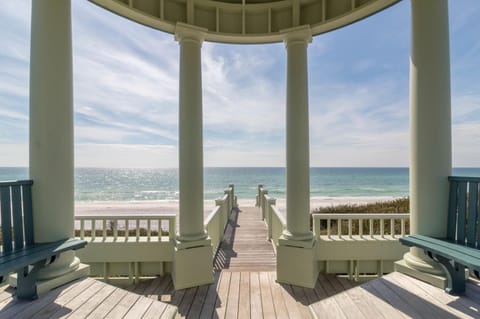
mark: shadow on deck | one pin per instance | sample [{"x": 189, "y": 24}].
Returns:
[
  {"x": 243, "y": 295},
  {"x": 242, "y": 291},
  {"x": 245, "y": 280},
  {"x": 245, "y": 287}
]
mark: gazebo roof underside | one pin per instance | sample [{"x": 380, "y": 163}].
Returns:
[{"x": 246, "y": 21}]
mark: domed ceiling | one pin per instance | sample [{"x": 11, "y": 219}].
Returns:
[{"x": 246, "y": 21}]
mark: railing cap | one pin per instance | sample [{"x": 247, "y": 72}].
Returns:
[
  {"x": 360, "y": 216},
  {"x": 17, "y": 182},
  {"x": 464, "y": 179},
  {"x": 120, "y": 217}
]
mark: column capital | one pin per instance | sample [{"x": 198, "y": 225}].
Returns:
[
  {"x": 301, "y": 33},
  {"x": 189, "y": 32}
]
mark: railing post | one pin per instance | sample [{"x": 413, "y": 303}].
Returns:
[
  {"x": 264, "y": 203},
  {"x": 228, "y": 203},
  {"x": 271, "y": 201},
  {"x": 224, "y": 216},
  {"x": 259, "y": 196},
  {"x": 232, "y": 196}
]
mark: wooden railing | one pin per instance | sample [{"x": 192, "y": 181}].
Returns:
[
  {"x": 362, "y": 225},
  {"x": 133, "y": 246},
  {"x": 127, "y": 228},
  {"x": 123, "y": 248},
  {"x": 217, "y": 220},
  {"x": 272, "y": 216},
  {"x": 356, "y": 245}
]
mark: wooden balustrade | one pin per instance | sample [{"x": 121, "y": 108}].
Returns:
[
  {"x": 362, "y": 225},
  {"x": 126, "y": 227}
]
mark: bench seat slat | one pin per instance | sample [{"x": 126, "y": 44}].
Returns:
[
  {"x": 466, "y": 256},
  {"x": 444, "y": 242},
  {"x": 33, "y": 254}
]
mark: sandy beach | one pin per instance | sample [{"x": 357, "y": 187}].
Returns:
[{"x": 171, "y": 206}]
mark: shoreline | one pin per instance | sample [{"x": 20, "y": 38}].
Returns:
[{"x": 151, "y": 207}]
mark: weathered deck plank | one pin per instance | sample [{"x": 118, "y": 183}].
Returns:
[
  {"x": 83, "y": 310},
  {"x": 245, "y": 246},
  {"x": 278, "y": 302},
  {"x": 399, "y": 296},
  {"x": 244, "y": 298},
  {"x": 84, "y": 298},
  {"x": 243, "y": 291},
  {"x": 233, "y": 296},
  {"x": 255, "y": 296},
  {"x": 222, "y": 298},
  {"x": 108, "y": 304}
]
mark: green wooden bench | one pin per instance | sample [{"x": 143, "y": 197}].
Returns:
[
  {"x": 460, "y": 249},
  {"x": 19, "y": 253}
]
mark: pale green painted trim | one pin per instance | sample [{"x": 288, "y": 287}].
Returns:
[{"x": 246, "y": 22}]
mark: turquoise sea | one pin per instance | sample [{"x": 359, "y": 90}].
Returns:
[{"x": 101, "y": 184}]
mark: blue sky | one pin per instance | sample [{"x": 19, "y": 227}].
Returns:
[{"x": 126, "y": 92}]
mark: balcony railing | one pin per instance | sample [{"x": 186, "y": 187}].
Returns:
[
  {"x": 357, "y": 245},
  {"x": 133, "y": 246},
  {"x": 127, "y": 228},
  {"x": 360, "y": 225},
  {"x": 217, "y": 220}
]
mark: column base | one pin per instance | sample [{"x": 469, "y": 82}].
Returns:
[
  {"x": 297, "y": 263},
  {"x": 64, "y": 264},
  {"x": 193, "y": 237},
  {"x": 192, "y": 264},
  {"x": 436, "y": 280},
  {"x": 300, "y": 239},
  {"x": 44, "y": 286}
]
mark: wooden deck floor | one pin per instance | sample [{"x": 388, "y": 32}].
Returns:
[
  {"x": 245, "y": 246},
  {"x": 85, "y": 298},
  {"x": 245, "y": 287},
  {"x": 243, "y": 295},
  {"x": 400, "y": 296},
  {"x": 245, "y": 280}
]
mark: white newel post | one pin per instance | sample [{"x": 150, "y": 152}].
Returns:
[
  {"x": 193, "y": 252},
  {"x": 51, "y": 132},
  {"x": 297, "y": 241},
  {"x": 430, "y": 130}
]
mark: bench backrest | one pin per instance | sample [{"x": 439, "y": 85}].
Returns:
[
  {"x": 16, "y": 215},
  {"x": 463, "y": 224}
]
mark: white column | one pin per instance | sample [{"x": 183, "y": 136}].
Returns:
[
  {"x": 298, "y": 156},
  {"x": 430, "y": 125},
  {"x": 190, "y": 134},
  {"x": 192, "y": 258},
  {"x": 51, "y": 128}
]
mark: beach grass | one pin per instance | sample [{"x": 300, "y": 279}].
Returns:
[
  {"x": 399, "y": 205},
  {"x": 396, "y": 206}
]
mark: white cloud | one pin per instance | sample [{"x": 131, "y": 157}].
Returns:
[
  {"x": 14, "y": 155},
  {"x": 125, "y": 156},
  {"x": 465, "y": 140},
  {"x": 126, "y": 93}
]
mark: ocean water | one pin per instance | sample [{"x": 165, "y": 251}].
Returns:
[{"x": 103, "y": 184}]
